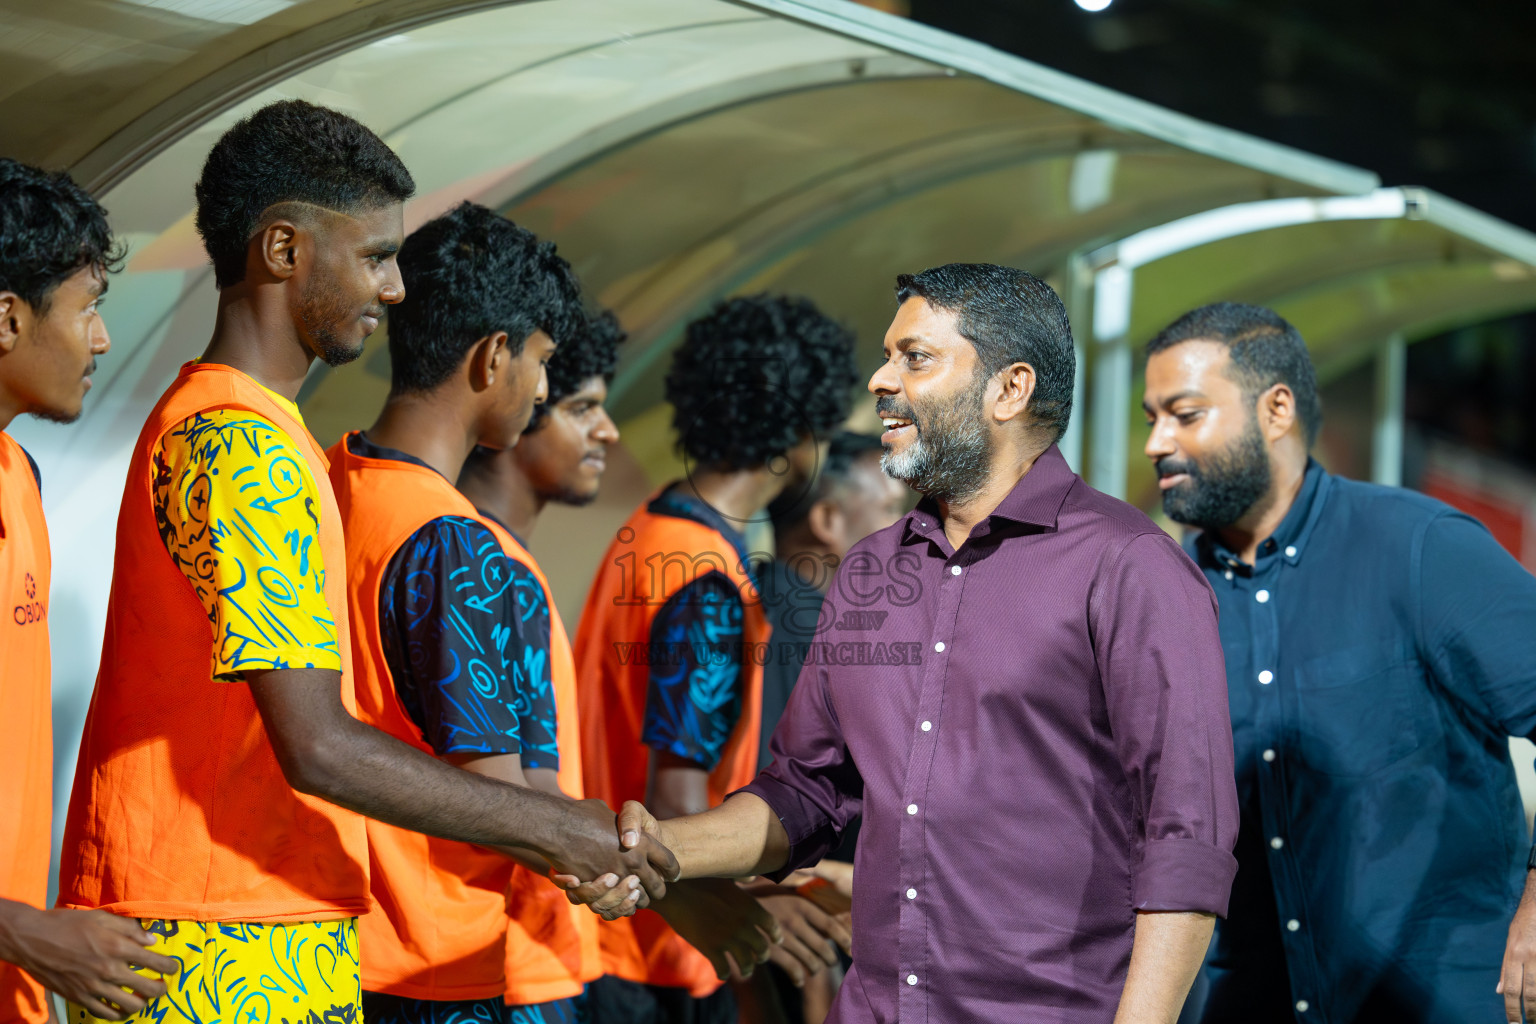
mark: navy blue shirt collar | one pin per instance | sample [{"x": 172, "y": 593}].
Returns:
[
  {"x": 358, "y": 444},
  {"x": 1289, "y": 541}
]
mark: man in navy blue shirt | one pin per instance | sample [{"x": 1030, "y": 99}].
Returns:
[{"x": 1380, "y": 649}]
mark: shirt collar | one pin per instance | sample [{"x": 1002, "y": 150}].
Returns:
[
  {"x": 1289, "y": 541},
  {"x": 359, "y": 444},
  {"x": 497, "y": 520},
  {"x": 288, "y": 405},
  {"x": 674, "y": 502},
  {"x": 1035, "y": 500}
]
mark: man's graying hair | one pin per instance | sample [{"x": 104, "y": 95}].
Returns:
[
  {"x": 1010, "y": 316},
  {"x": 1264, "y": 350}
]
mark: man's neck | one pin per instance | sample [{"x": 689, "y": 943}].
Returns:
[
  {"x": 738, "y": 495},
  {"x": 1264, "y": 518},
  {"x": 429, "y": 426},
  {"x": 1009, "y": 466},
  {"x": 508, "y": 496},
  {"x": 809, "y": 560},
  {"x": 255, "y": 335}
]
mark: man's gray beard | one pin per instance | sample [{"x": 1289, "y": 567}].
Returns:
[{"x": 954, "y": 460}]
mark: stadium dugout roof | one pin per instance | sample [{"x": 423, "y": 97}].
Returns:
[
  {"x": 678, "y": 151},
  {"x": 1360, "y": 277}
]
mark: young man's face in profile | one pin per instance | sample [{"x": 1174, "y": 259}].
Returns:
[
  {"x": 564, "y": 459},
  {"x": 353, "y": 277},
  {"x": 50, "y": 352}
]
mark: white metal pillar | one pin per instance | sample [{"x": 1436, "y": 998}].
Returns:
[
  {"x": 1115, "y": 264},
  {"x": 1387, "y": 429},
  {"x": 1078, "y": 286},
  {"x": 1111, "y": 379}
]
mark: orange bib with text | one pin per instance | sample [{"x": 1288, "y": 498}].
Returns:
[{"x": 26, "y": 754}]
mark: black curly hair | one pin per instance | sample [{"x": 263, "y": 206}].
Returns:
[
  {"x": 289, "y": 151},
  {"x": 470, "y": 273},
  {"x": 1009, "y": 316},
  {"x": 50, "y": 227},
  {"x": 754, "y": 376},
  {"x": 592, "y": 351}
]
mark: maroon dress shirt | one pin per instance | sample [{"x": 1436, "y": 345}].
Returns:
[{"x": 1035, "y": 730}]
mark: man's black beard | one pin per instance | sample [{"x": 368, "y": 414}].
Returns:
[
  {"x": 1222, "y": 489},
  {"x": 951, "y": 457},
  {"x": 53, "y": 416},
  {"x": 322, "y": 311},
  {"x": 569, "y": 496}
]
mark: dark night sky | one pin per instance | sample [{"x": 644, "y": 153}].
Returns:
[{"x": 1424, "y": 93}]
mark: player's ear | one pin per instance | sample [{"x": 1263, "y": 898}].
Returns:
[{"x": 487, "y": 358}]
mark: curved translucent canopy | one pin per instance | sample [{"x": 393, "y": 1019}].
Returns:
[
  {"x": 1353, "y": 282},
  {"x": 1351, "y": 274},
  {"x": 677, "y": 150}
]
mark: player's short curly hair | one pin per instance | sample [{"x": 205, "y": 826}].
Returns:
[
  {"x": 468, "y": 274},
  {"x": 591, "y": 351},
  {"x": 289, "y": 151},
  {"x": 754, "y": 376},
  {"x": 50, "y": 228}
]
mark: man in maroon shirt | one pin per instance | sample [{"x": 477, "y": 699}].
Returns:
[{"x": 1020, "y": 686}]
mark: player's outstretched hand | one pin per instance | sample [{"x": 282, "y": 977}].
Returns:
[
  {"x": 812, "y": 935},
  {"x": 724, "y": 923}
]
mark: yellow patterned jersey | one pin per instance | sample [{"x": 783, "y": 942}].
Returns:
[
  {"x": 252, "y": 974},
  {"x": 239, "y": 513}
]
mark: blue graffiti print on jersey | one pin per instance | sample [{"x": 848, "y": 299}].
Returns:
[
  {"x": 536, "y": 684},
  {"x": 466, "y": 637},
  {"x": 695, "y": 690}
]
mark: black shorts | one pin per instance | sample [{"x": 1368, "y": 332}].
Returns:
[{"x": 613, "y": 1000}]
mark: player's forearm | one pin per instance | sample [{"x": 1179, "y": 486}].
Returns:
[
  {"x": 508, "y": 768},
  {"x": 1165, "y": 957},
  {"x": 740, "y": 837},
  {"x": 325, "y": 752},
  {"x": 678, "y": 788},
  {"x": 376, "y": 775}
]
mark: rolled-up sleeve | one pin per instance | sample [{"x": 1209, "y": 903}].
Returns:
[
  {"x": 1164, "y": 678},
  {"x": 812, "y": 784}
]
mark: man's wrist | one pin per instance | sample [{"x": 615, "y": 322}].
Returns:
[
  {"x": 1530, "y": 860},
  {"x": 549, "y": 826},
  {"x": 668, "y": 836}
]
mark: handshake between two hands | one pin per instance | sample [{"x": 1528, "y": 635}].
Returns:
[{"x": 798, "y": 926}]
